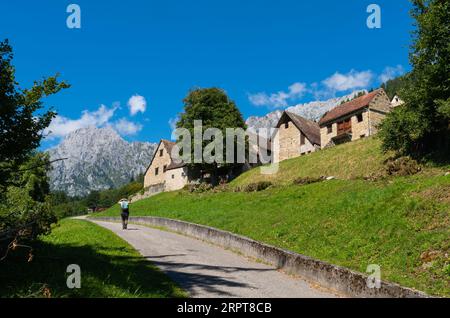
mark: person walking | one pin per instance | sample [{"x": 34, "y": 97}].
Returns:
[{"x": 124, "y": 205}]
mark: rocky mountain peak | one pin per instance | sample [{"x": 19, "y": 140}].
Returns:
[{"x": 97, "y": 159}]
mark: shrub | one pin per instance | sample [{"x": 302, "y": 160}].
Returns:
[
  {"x": 199, "y": 188},
  {"x": 403, "y": 166},
  {"x": 307, "y": 180},
  {"x": 254, "y": 187}
]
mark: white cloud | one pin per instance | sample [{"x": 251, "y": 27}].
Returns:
[
  {"x": 137, "y": 104},
  {"x": 391, "y": 72},
  {"x": 352, "y": 80},
  {"x": 173, "y": 123},
  {"x": 127, "y": 128},
  {"x": 62, "y": 126},
  {"x": 280, "y": 99}
]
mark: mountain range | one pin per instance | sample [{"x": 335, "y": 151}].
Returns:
[{"x": 97, "y": 159}]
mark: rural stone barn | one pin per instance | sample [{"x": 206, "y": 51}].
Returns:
[
  {"x": 296, "y": 136},
  {"x": 163, "y": 172},
  {"x": 354, "y": 120}
]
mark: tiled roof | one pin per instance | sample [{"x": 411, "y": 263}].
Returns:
[
  {"x": 307, "y": 127},
  {"x": 169, "y": 146},
  {"x": 349, "y": 107}
]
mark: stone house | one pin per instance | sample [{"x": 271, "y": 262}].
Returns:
[
  {"x": 163, "y": 172},
  {"x": 354, "y": 120},
  {"x": 397, "y": 101},
  {"x": 295, "y": 136}
]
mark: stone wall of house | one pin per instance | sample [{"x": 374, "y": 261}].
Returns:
[
  {"x": 176, "y": 179},
  {"x": 325, "y": 137},
  {"x": 289, "y": 141},
  {"x": 159, "y": 162},
  {"x": 360, "y": 129},
  {"x": 379, "y": 107},
  {"x": 375, "y": 119}
]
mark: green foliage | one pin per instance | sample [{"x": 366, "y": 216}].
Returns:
[
  {"x": 421, "y": 126},
  {"x": 394, "y": 87},
  {"x": 216, "y": 110},
  {"x": 26, "y": 200},
  {"x": 22, "y": 117},
  {"x": 65, "y": 206}
]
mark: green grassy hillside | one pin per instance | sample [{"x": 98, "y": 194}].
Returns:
[
  {"x": 110, "y": 267},
  {"x": 353, "y": 160},
  {"x": 401, "y": 223}
]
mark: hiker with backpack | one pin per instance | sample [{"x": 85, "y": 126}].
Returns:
[{"x": 125, "y": 214}]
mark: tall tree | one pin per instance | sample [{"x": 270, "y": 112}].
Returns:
[
  {"x": 216, "y": 110},
  {"x": 22, "y": 114},
  {"x": 421, "y": 126}
]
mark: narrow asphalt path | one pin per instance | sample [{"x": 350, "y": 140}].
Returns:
[{"x": 206, "y": 270}]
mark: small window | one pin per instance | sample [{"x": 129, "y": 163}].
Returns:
[
  {"x": 329, "y": 129},
  {"x": 156, "y": 171},
  {"x": 360, "y": 118},
  {"x": 165, "y": 168},
  {"x": 161, "y": 152},
  {"x": 362, "y": 136},
  {"x": 173, "y": 176},
  {"x": 286, "y": 125},
  {"x": 302, "y": 139}
]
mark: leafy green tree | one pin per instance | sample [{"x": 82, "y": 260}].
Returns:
[
  {"x": 22, "y": 114},
  {"x": 215, "y": 109},
  {"x": 24, "y": 185},
  {"x": 394, "y": 87},
  {"x": 93, "y": 199},
  {"x": 421, "y": 126}
]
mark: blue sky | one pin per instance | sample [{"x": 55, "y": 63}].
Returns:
[{"x": 265, "y": 54}]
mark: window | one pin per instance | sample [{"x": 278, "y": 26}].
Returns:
[
  {"x": 302, "y": 139},
  {"x": 161, "y": 152},
  {"x": 329, "y": 129},
  {"x": 156, "y": 171},
  {"x": 173, "y": 176},
  {"x": 362, "y": 136},
  {"x": 286, "y": 125},
  {"x": 360, "y": 118},
  {"x": 165, "y": 168}
]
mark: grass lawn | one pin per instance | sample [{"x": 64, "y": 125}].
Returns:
[
  {"x": 110, "y": 267},
  {"x": 348, "y": 161},
  {"x": 401, "y": 224}
]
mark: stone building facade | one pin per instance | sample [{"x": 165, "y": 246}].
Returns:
[
  {"x": 354, "y": 120},
  {"x": 163, "y": 171},
  {"x": 295, "y": 136}
]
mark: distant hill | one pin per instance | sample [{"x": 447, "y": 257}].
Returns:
[{"x": 98, "y": 159}]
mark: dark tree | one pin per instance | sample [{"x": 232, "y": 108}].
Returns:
[
  {"x": 421, "y": 126},
  {"x": 216, "y": 110},
  {"x": 22, "y": 114}
]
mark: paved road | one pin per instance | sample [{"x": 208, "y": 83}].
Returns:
[{"x": 206, "y": 270}]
